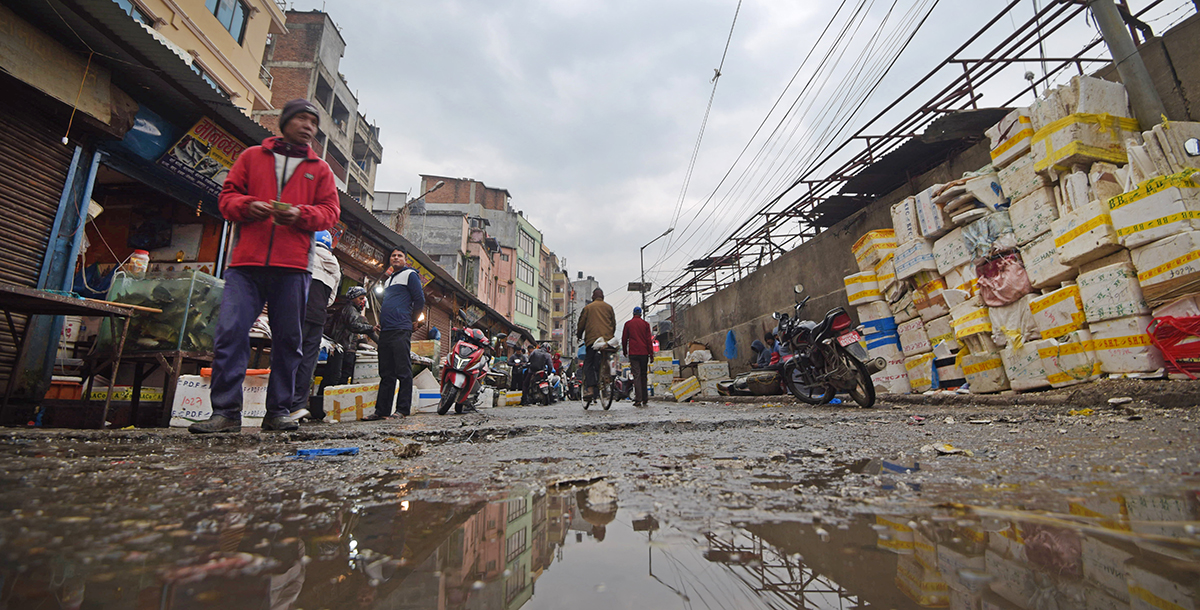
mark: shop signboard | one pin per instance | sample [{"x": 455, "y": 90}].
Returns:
[
  {"x": 471, "y": 314},
  {"x": 203, "y": 156}
]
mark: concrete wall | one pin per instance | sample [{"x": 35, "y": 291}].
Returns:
[{"x": 441, "y": 235}]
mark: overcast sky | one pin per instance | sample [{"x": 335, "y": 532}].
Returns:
[{"x": 588, "y": 112}]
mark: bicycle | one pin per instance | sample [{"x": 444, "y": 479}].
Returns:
[{"x": 607, "y": 385}]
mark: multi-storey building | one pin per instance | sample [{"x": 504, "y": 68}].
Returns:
[
  {"x": 304, "y": 64},
  {"x": 222, "y": 40},
  {"x": 517, "y": 263},
  {"x": 562, "y": 324},
  {"x": 583, "y": 293},
  {"x": 547, "y": 263}
]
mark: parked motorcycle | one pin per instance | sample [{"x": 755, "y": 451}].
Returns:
[
  {"x": 622, "y": 387},
  {"x": 465, "y": 365},
  {"x": 827, "y": 357},
  {"x": 575, "y": 389},
  {"x": 541, "y": 387}
]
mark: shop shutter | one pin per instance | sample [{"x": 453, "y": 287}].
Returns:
[
  {"x": 439, "y": 316},
  {"x": 33, "y": 172}
]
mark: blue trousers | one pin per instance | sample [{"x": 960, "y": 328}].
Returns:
[{"x": 285, "y": 292}]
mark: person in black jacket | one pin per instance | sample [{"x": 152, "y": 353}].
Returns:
[
  {"x": 348, "y": 324},
  {"x": 539, "y": 360}
]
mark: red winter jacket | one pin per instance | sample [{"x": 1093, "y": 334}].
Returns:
[
  {"x": 636, "y": 339},
  {"x": 253, "y": 178}
]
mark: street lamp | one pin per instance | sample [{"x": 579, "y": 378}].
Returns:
[{"x": 642, "y": 262}]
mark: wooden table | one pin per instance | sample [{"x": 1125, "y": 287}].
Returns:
[{"x": 30, "y": 301}]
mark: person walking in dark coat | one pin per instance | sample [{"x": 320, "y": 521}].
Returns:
[
  {"x": 276, "y": 196},
  {"x": 403, "y": 300},
  {"x": 637, "y": 343}
]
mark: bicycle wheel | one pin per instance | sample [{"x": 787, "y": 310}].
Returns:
[{"x": 607, "y": 389}]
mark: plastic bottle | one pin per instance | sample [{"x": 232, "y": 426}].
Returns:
[{"x": 139, "y": 261}]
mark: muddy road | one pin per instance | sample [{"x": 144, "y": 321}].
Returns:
[{"x": 1067, "y": 502}]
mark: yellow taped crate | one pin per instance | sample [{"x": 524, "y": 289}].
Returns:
[
  {"x": 862, "y": 288},
  {"x": 1123, "y": 346},
  {"x": 985, "y": 373},
  {"x": 1059, "y": 312},
  {"x": 1011, "y": 137},
  {"x": 1085, "y": 235},
  {"x": 1157, "y": 208},
  {"x": 685, "y": 389},
  {"x": 872, "y": 247},
  {"x": 1168, "y": 268}
]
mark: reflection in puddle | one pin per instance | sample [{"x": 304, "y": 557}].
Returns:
[{"x": 574, "y": 547}]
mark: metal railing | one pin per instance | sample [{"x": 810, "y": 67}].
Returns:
[
  {"x": 763, "y": 237},
  {"x": 265, "y": 76}
]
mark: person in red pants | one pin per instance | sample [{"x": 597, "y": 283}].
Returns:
[{"x": 636, "y": 343}]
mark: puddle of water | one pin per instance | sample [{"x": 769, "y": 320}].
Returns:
[{"x": 576, "y": 548}]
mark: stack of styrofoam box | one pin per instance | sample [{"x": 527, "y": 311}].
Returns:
[
  {"x": 193, "y": 404},
  {"x": 883, "y": 341},
  {"x": 1084, "y": 121},
  {"x": 1159, "y": 222},
  {"x": 1011, "y": 137},
  {"x": 1117, "y": 315},
  {"x": 924, "y": 586},
  {"x": 663, "y": 371},
  {"x": 685, "y": 388},
  {"x": 710, "y": 374},
  {"x": 862, "y": 288},
  {"x": 872, "y": 247}
]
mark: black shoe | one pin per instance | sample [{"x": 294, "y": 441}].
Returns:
[
  {"x": 279, "y": 424},
  {"x": 216, "y": 424}
]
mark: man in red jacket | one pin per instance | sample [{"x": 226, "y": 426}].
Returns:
[
  {"x": 636, "y": 343},
  {"x": 277, "y": 195}
]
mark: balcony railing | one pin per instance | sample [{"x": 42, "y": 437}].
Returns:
[
  {"x": 265, "y": 76},
  {"x": 339, "y": 170}
]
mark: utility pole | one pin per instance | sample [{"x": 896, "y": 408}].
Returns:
[{"x": 1147, "y": 106}]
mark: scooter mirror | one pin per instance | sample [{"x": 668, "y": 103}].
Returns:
[
  {"x": 798, "y": 288},
  {"x": 775, "y": 314},
  {"x": 1192, "y": 147}
]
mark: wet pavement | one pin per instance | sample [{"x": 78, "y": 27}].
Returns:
[{"x": 1068, "y": 504}]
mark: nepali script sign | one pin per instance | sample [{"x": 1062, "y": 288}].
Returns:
[{"x": 203, "y": 156}]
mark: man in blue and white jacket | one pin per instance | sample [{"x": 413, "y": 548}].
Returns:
[{"x": 403, "y": 300}]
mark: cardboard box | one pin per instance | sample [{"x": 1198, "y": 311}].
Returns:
[
  {"x": 1168, "y": 268},
  {"x": 1032, "y": 214},
  {"x": 1040, "y": 258},
  {"x": 685, "y": 389},
  {"x": 872, "y": 247},
  {"x": 1085, "y": 234},
  {"x": 1157, "y": 208},
  {"x": 711, "y": 370},
  {"x": 1112, "y": 292},
  {"x": 192, "y": 402},
  {"x": 1123, "y": 346}
]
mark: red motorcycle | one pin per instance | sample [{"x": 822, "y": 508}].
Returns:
[{"x": 466, "y": 364}]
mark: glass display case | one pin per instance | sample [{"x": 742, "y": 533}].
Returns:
[{"x": 189, "y": 301}]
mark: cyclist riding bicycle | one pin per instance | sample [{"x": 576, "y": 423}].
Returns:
[{"x": 596, "y": 321}]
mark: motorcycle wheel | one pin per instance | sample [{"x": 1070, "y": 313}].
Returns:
[
  {"x": 863, "y": 391},
  {"x": 449, "y": 397},
  {"x": 813, "y": 395}
]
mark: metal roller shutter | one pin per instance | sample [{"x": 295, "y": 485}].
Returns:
[{"x": 33, "y": 171}]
